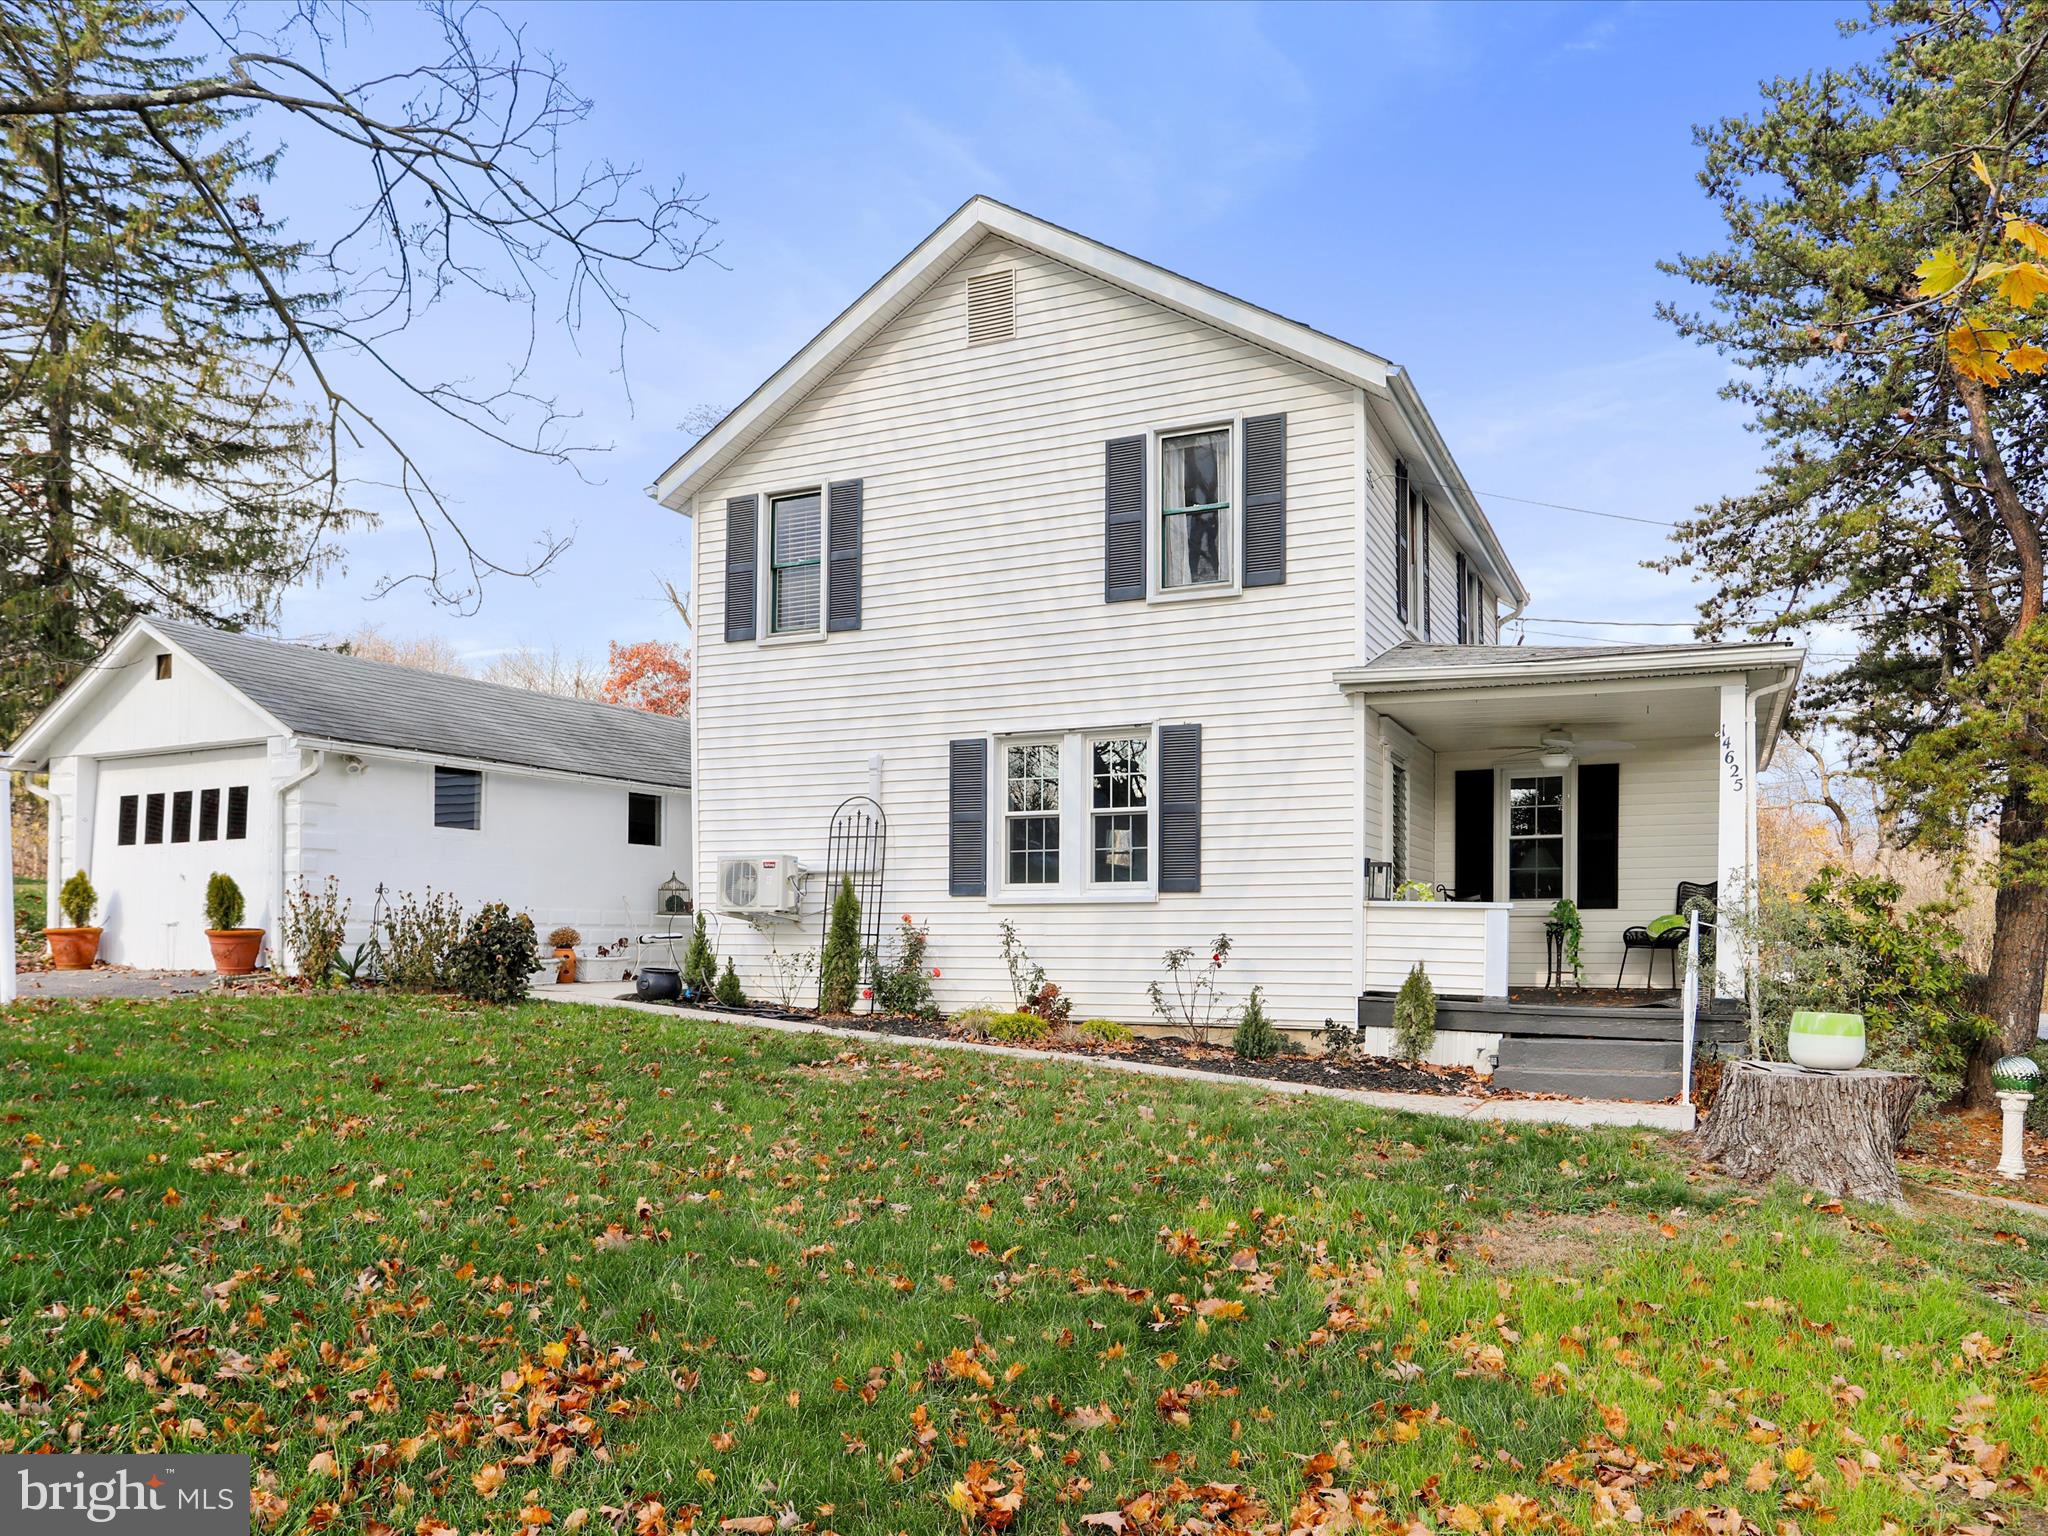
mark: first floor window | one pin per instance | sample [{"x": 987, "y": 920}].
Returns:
[
  {"x": 1397, "y": 815},
  {"x": 209, "y": 815},
  {"x": 458, "y": 799},
  {"x": 643, "y": 819},
  {"x": 181, "y": 816},
  {"x": 794, "y": 543},
  {"x": 1195, "y": 524},
  {"x": 1031, "y": 813},
  {"x": 130, "y": 808},
  {"x": 153, "y": 819},
  {"x": 1118, "y": 809},
  {"x": 1536, "y": 837},
  {"x": 238, "y": 811}
]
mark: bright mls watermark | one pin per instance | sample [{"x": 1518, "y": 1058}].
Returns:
[{"x": 157, "y": 1495}]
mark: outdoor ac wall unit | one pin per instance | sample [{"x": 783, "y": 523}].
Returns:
[{"x": 768, "y": 885}]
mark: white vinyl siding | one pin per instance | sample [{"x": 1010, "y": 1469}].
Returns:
[{"x": 983, "y": 615}]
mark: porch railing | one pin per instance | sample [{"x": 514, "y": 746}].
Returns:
[{"x": 1690, "y": 1027}]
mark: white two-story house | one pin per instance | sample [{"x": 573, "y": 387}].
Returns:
[{"x": 1148, "y": 615}]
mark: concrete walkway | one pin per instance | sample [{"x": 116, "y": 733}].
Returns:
[
  {"x": 114, "y": 981},
  {"x": 1661, "y": 1117}
]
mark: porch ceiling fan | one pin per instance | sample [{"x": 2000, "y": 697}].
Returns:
[{"x": 1556, "y": 747}]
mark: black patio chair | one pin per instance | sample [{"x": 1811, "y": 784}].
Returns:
[{"x": 1672, "y": 942}]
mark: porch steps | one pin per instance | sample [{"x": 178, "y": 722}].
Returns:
[{"x": 1589, "y": 1067}]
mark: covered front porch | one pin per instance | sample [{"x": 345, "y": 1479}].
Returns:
[{"x": 1501, "y": 781}]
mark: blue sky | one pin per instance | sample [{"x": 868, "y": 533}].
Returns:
[{"x": 1478, "y": 192}]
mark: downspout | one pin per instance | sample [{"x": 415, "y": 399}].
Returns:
[{"x": 284, "y": 788}]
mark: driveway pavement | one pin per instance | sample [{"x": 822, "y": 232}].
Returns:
[{"x": 114, "y": 981}]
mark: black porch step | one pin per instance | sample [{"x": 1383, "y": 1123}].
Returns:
[{"x": 1588, "y": 1067}]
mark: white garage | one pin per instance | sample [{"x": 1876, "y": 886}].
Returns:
[{"x": 186, "y": 750}]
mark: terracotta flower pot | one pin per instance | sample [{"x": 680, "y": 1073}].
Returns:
[
  {"x": 567, "y": 973},
  {"x": 73, "y": 949},
  {"x": 235, "y": 949}
]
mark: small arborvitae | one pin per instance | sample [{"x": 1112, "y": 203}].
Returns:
[
  {"x": 730, "y": 994},
  {"x": 839, "y": 967},
  {"x": 700, "y": 963}
]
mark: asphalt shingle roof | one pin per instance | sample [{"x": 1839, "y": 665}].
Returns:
[{"x": 328, "y": 695}]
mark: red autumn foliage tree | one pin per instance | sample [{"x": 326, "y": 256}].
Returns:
[{"x": 649, "y": 674}]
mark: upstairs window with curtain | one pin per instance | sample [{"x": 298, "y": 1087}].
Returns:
[{"x": 1196, "y": 531}]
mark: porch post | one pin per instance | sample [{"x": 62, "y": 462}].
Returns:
[{"x": 1735, "y": 775}]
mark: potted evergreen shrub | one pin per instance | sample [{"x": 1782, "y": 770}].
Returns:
[
  {"x": 75, "y": 948},
  {"x": 234, "y": 947}
]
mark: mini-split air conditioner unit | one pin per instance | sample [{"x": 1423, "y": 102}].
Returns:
[{"x": 768, "y": 885}]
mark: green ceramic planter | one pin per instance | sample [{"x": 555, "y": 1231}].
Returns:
[{"x": 1827, "y": 1041}]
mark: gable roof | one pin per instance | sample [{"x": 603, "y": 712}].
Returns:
[
  {"x": 330, "y": 697},
  {"x": 980, "y": 217}
]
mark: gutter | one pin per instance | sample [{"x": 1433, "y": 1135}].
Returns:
[{"x": 284, "y": 788}]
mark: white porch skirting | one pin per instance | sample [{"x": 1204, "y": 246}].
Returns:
[{"x": 1463, "y": 945}]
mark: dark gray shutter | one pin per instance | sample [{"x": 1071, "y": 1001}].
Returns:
[
  {"x": 967, "y": 817},
  {"x": 1472, "y": 834},
  {"x": 458, "y": 798},
  {"x": 1426, "y": 586},
  {"x": 1180, "y": 808},
  {"x": 1401, "y": 541},
  {"x": 1599, "y": 837},
  {"x": 1265, "y": 501},
  {"x": 742, "y": 539},
  {"x": 842, "y": 567},
  {"x": 1123, "y": 520}
]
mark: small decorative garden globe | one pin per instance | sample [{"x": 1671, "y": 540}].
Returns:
[
  {"x": 1829, "y": 1042},
  {"x": 2016, "y": 1074}
]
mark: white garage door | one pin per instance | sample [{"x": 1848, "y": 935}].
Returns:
[{"x": 161, "y": 827}]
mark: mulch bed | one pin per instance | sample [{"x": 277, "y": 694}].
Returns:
[
  {"x": 1960, "y": 1147},
  {"x": 1376, "y": 1073}
]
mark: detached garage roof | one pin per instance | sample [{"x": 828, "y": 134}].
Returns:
[{"x": 342, "y": 700}]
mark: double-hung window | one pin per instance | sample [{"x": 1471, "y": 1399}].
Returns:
[
  {"x": 1031, "y": 813},
  {"x": 1536, "y": 837},
  {"x": 1087, "y": 795},
  {"x": 795, "y": 569},
  {"x": 1412, "y": 562},
  {"x": 1119, "y": 814},
  {"x": 1197, "y": 523}
]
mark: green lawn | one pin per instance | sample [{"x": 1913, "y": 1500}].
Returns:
[{"x": 430, "y": 1263}]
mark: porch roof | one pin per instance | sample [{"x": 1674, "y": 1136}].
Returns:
[{"x": 1432, "y": 690}]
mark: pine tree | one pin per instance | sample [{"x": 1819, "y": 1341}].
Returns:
[
  {"x": 152, "y": 456},
  {"x": 1905, "y": 495},
  {"x": 700, "y": 961},
  {"x": 839, "y": 966}
]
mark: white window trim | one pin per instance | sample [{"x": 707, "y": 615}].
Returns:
[
  {"x": 764, "y": 562},
  {"x": 1503, "y": 775},
  {"x": 1156, "y": 591},
  {"x": 483, "y": 803},
  {"x": 1077, "y": 885}
]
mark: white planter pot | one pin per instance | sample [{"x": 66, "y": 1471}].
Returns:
[{"x": 1827, "y": 1042}]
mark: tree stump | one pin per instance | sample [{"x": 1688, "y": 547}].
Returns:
[{"x": 1835, "y": 1131}]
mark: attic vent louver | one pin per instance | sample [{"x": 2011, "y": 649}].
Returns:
[{"x": 991, "y": 307}]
